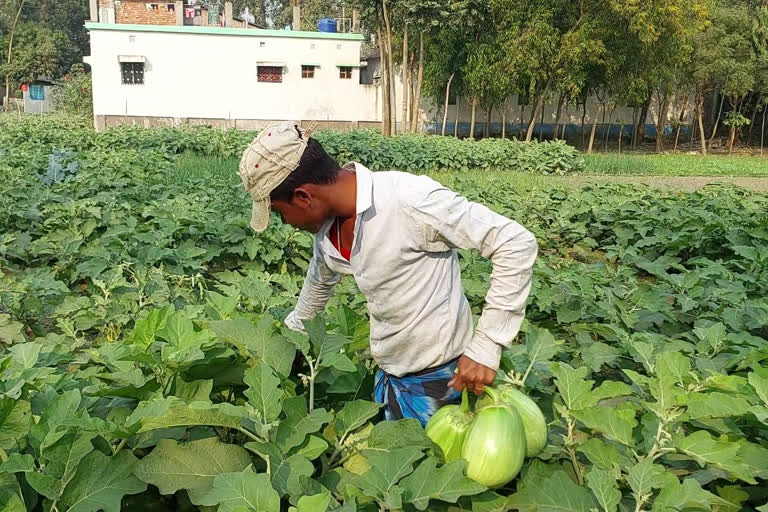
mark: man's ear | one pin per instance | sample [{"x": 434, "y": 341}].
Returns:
[{"x": 302, "y": 197}]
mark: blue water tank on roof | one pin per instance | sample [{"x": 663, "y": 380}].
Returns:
[{"x": 326, "y": 25}]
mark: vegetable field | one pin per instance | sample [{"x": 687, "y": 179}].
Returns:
[{"x": 144, "y": 366}]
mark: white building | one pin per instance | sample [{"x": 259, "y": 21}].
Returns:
[{"x": 228, "y": 77}]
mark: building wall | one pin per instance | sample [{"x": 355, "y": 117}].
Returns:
[
  {"x": 39, "y": 106},
  {"x": 200, "y": 74},
  {"x": 145, "y": 13}
]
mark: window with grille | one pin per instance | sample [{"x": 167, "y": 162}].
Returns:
[
  {"x": 307, "y": 71},
  {"x": 345, "y": 72},
  {"x": 36, "y": 92},
  {"x": 133, "y": 73},
  {"x": 273, "y": 74}
]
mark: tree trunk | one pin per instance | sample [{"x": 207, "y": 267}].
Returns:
[
  {"x": 411, "y": 98},
  {"x": 583, "y": 120},
  {"x": 608, "y": 129},
  {"x": 700, "y": 115},
  {"x": 541, "y": 125},
  {"x": 537, "y": 105},
  {"x": 731, "y": 139},
  {"x": 661, "y": 123},
  {"x": 565, "y": 125},
  {"x": 472, "y": 121},
  {"x": 752, "y": 124},
  {"x": 386, "y": 108},
  {"x": 592, "y": 135},
  {"x": 458, "y": 116},
  {"x": 487, "y": 129},
  {"x": 7, "y": 99},
  {"x": 391, "y": 68},
  {"x": 504, "y": 120},
  {"x": 762, "y": 131},
  {"x": 717, "y": 121},
  {"x": 447, "y": 99},
  {"x": 680, "y": 121},
  {"x": 634, "y": 125},
  {"x": 621, "y": 135},
  {"x": 416, "y": 105},
  {"x": 642, "y": 120},
  {"x": 557, "y": 116},
  {"x": 522, "y": 121},
  {"x": 406, "y": 76}
]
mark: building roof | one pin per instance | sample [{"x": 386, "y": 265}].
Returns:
[{"x": 254, "y": 32}]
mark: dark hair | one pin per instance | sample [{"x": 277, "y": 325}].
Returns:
[{"x": 316, "y": 167}]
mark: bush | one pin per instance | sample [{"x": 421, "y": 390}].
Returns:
[
  {"x": 413, "y": 153},
  {"x": 74, "y": 93}
]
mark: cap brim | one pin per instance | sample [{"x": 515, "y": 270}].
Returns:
[{"x": 260, "y": 216}]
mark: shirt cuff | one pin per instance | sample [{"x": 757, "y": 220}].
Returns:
[
  {"x": 293, "y": 323},
  {"x": 484, "y": 351}
]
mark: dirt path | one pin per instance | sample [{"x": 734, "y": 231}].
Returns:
[{"x": 686, "y": 183}]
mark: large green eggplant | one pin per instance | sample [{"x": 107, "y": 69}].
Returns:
[
  {"x": 495, "y": 446},
  {"x": 449, "y": 426},
  {"x": 533, "y": 419}
]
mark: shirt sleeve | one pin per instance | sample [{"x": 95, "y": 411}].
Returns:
[
  {"x": 317, "y": 289},
  {"x": 444, "y": 220}
]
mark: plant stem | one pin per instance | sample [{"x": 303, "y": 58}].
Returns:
[
  {"x": 312, "y": 375},
  {"x": 119, "y": 447}
]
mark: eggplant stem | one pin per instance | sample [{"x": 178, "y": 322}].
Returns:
[
  {"x": 492, "y": 393},
  {"x": 465, "y": 401}
]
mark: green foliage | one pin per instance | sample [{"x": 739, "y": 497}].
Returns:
[
  {"x": 140, "y": 345},
  {"x": 74, "y": 93},
  {"x": 37, "y": 51}
]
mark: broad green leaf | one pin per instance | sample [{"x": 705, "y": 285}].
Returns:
[
  {"x": 287, "y": 474},
  {"x": 192, "y": 466},
  {"x": 723, "y": 454},
  {"x": 15, "y": 420},
  {"x": 599, "y": 354},
  {"x": 490, "y": 501},
  {"x": 61, "y": 408},
  {"x": 573, "y": 385},
  {"x": 540, "y": 345},
  {"x": 196, "y": 413},
  {"x": 259, "y": 341},
  {"x": 604, "y": 455},
  {"x": 264, "y": 392},
  {"x": 65, "y": 456},
  {"x": 603, "y": 485},
  {"x": 354, "y": 415},
  {"x": 446, "y": 483},
  {"x": 10, "y": 331},
  {"x": 18, "y": 463},
  {"x": 716, "y": 405},
  {"x": 11, "y": 498},
  {"x": 609, "y": 389},
  {"x": 25, "y": 355},
  {"x": 194, "y": 391},
  {"x": 101, "y": 482},
  {"x": 672, "y": 366},
  {"x": 388, "y": 435},
  {"x": 554, "y": 493},
  {"x": 614, "y": 423},
  {"x": 327, "y": 347},
  {"x": 760, "y": 384},
  {"x": 146, "y": 328},
  {"x": 646, "y": 476},
  {"x": 183, "y": 342},
  {"x": 380, "y": 481},
  {"x": 293, "y": 430},
  {"x": 714, "y": 335},
  {"x": 316, "y": 503},
  {"x": 242, "y": 491},
  {"x": 689, "y": 495},
  {"x": 312, "y": 448}
]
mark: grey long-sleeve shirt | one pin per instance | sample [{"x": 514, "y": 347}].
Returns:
[{"x": 404, "y": 261}]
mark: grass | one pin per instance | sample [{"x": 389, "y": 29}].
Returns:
[
  {"x": 676, "y": 165},
  {"x": 658, "y": 170}
]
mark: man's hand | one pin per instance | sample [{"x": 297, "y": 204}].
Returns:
[{"x": 472, "y": 375}]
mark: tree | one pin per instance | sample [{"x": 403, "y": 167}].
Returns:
[{"x": 34, "y": 51}]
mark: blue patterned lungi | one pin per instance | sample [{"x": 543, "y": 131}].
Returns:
[{"x": 416, "y": 395}]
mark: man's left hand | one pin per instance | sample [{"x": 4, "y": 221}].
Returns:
[{"x": 472, "y": 375}]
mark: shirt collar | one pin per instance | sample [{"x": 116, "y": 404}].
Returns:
[{"x": 364, "y": 199}]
